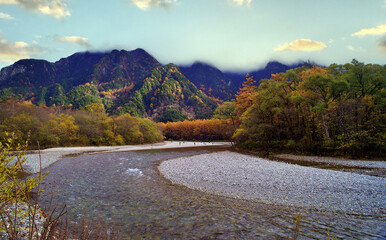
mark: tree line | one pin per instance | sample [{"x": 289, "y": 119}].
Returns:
[
  {"x": 55, "y": 126},
  {"x": 338, "y": 108},
  {"x": 198, "y": 130}
]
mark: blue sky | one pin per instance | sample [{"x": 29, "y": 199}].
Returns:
[{"x": 230, "y": 34}]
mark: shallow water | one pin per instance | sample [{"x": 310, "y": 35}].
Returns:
[{"x": 126, "y": 189}]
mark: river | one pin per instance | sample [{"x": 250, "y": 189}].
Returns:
[{"x": 126, "y": 190}]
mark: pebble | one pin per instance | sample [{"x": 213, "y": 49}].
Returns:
[
  {"x": 24, "y": 220},
  {"x": 247, "y": 177}
]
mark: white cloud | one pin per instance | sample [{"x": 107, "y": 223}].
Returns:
[
  {"x": 242, "y": 2},
  {"x": 146, "y": 4},
  {"x": 305, "y": 45},
  {"x": 54, "y": 8},
  {"x": 74, "y": 40},
  {"x": 379, "y": 30},
  {"x": 351, "y": 48},
  {"x": 6, "y": 16},
  {"x": 8, "y": 1},
  {"x": 13, "y": 51}
]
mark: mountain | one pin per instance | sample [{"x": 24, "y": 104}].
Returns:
[
  {"x": 124, "y": 81},
  {"x": 127, "y": 82},
  {"x": 76, "y": 69},
  {"x": 168, "y": 95},
  {"x": 26, "y": 77},
  {"x": 123, "y": 69},
  {"x": 224, "y": 85},
  {"x": 211, "y": 80},
  {"x": 274, "y": 67},
  {"x": 29, "y": 77},
  {"x": 271, "y": 68}
]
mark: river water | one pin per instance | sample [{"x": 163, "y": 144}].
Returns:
[{"x": 126, "y": 190}]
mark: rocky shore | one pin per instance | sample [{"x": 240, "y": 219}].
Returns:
[
  {"x": 23, "y": 221},
  {"x": 247, "y": 177}
]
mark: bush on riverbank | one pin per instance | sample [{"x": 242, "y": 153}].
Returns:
[{"x": 20, "y": 217}]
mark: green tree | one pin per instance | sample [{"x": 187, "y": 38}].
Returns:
[
  {"x": 171, "y": 114},
  {"x": 90, "y": 128},
  {"x": 97, "y": 110},
  {"x": 56, "y": 96},
  {"x": 84, "y": 95},
  {"x": 128, "y": 127},
  {"x": 61, "y": 130},
  {"x": 365, "y": 79},
  {"x": 150, "y": 131},
  {"x": 324, "y": 90}
]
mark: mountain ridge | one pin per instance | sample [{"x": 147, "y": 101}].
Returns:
[
  {"x": 126, "y": 82},
  {"x": 116, "y": 79}
]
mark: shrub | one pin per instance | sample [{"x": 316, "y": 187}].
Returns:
[{"x": 15, "y": 204}]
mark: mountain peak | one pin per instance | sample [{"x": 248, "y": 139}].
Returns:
[
  {"x": 202, "y": 64},
  {"x": 136, "y": 52},
  {"x": 140, "y": 51},
  {"x": 274, "y": 63}
]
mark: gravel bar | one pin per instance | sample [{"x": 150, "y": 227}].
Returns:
[
  {"x": 51, "y": 155},
  {"x": 247, "y": 177},
  {"x": 331, "y": 160}
]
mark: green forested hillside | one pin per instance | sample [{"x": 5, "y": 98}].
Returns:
[
  {"x": 124, "y": 82},
  {"x": 168, "y": 95}
]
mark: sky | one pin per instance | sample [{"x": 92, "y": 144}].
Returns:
[{"x": 233, "y": 35}]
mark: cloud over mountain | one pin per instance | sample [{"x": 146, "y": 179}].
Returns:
[
  {"x": 74, "y": 40},
  {"x": 13, "y": 51},
  {"x": 53, "y": 8},
  {"x": 305, "y": 45}
]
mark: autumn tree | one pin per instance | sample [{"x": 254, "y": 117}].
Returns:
[
  {"x": 244, "y": 97},
  {"x": 198, "y": 130},
  {"x": 61, "y": 130},
  {"x": 150, "y": 130},
  {"x": 316, "y": 109},
  {"x": 128, "y": 127}
]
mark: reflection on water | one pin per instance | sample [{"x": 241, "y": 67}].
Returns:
[{"x": 126, "y": 189}]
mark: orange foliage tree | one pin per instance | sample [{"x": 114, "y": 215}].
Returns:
[{"x": 198, "y": 130}]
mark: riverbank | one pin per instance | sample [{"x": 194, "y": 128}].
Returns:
[
  {"x": 246, "y": 177},
  {"x": 51, "y": 155},
  {"x": 375, "y": 168}
]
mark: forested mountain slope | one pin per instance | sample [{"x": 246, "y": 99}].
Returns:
[{"x": 123, "y": 81}]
